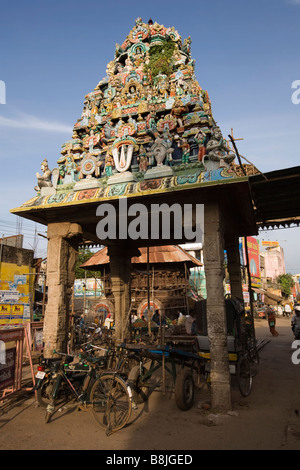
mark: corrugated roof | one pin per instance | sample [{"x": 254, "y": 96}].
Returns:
[
  {"x": 157, "y": 254},
  {"x": 276, "y": 197}
]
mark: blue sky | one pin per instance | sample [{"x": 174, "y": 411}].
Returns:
[{"x": 54, "y": 52}]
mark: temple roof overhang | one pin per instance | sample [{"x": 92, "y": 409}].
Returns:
[{"x": 232, "y": 194}]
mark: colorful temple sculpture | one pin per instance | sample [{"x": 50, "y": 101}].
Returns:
[
  {"x": 146, "y": 133},
  {"x": 147, "y": 119}
]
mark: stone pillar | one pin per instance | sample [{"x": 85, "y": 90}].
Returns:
[
  {"x": 235, "y": 274},
  {"x": 216, "y": 313},
  {"x": 234, "y": 267},
  {"x": 61, "y": 260},
  {"x": 120, "y": 273}
]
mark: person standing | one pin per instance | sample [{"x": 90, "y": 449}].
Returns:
[
  {"x": 108, "y": 321},
  {"x": 271, "y": 320},
  {"x": 287, "y": 310}
]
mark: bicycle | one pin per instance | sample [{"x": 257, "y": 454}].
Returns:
[
  {"x": 247, "y": 365},
  {"x": 106, "y": 393}
]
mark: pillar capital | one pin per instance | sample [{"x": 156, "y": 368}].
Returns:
[{"x": 63, "y": 229}]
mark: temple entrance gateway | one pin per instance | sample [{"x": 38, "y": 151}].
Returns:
[{"x": 146, "y": 134}]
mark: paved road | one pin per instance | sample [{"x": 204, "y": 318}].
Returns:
[{"x": 268, "y": 419}]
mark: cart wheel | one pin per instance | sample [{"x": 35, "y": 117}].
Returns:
[
  {"x": 244, "y": 376},
  {"x": 140, "y": 393},
  {"x": 184, "y": 390}
]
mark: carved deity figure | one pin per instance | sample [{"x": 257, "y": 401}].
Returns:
[
  {"x": 185, "y": 146},
  {"x": 109, "y": 164},
  {"x": 161, "y": 150},
  {"x": 92, "y": 140},
  {"x": 178, "y": 110},
  {"x": 128, "y": 65},
  {"x": 70, "y": 168},
  {"x": 217, "y": 150},
  {"x": 200, "y": 138},
  {"x": 44, "y": 180},
  {"x": 142, "y": 159}
]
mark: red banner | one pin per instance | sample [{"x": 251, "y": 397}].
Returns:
[{"x": 254, "y": 265}]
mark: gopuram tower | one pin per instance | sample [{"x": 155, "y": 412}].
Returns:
[
  {"x": 147, "y": 118},
  {"x": 146, "y": 133}
]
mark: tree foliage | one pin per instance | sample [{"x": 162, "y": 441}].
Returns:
[
  {"x": 286, "y": 282},
  {"x": 83, "y": 256},
  {"x": 160, "y": 58}
]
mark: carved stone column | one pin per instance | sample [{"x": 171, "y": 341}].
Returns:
[
  {"x": 216, "y": 313},
  {"x": 234, "y": 267},
  {"x": 61, "y": 260},
  {"x": 120, "y": 267}
]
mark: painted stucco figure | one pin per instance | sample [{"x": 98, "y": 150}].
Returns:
[
  {"x": 44, "y": 179},
  {"x": 218, "y": 154},
  {"x": 160, "y": 150}
]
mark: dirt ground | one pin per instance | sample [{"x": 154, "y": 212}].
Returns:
[{"x": 268, "y": 419}]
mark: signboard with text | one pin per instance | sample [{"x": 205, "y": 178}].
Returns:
[
  {"x": 254, "y": 265},
  {"x": 7, "y": 370},
  {"x": 90, "y": 287}
]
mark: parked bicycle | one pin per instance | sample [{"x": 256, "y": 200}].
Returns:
[
  {"x": 47, "y": 374},
  {"x": 106, "y": 393},
  {"x": 81, "y": 331},
  {"x": 247, "y": 365},
  {"x": 44, "y": 379}
]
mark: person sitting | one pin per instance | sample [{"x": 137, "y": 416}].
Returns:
[
  {"x": 156, "y": 317},
  {"x": 296, "y": 322},
  {"x": 190, "y": 324}
]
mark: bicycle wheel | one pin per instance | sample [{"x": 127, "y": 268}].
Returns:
[
  {"x": 111, "y": 404},
  {"x": 140, "y": 392},
  {"x": 254, "y": 361},
  {"x": 244, "y": 376}
]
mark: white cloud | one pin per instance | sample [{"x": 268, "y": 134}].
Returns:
[{"x": 27, "y": 121}]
